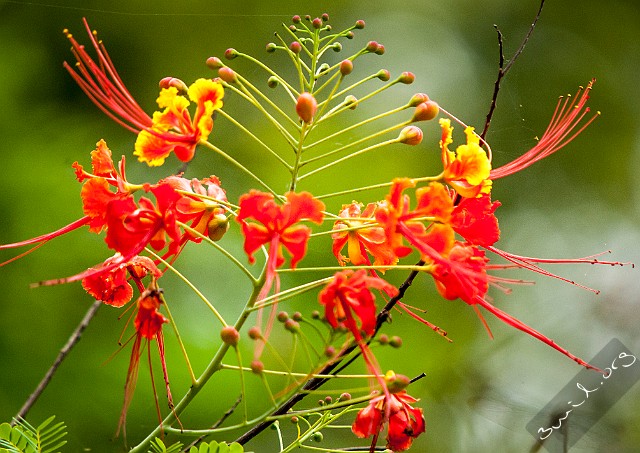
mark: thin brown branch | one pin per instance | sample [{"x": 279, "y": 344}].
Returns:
[
  {"x": 503, "y": 70},
  {"x": 332, "y": 367},
  {"x": 71, "y": 342}
]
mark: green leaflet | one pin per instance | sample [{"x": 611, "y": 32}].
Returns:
[{"x": 24, "y": 438}]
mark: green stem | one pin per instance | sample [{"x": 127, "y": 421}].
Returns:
[
  {"x": 190, "y": 285},
  {"x": 237, "y": 164},
  {"x": 345, "y": 158},
  {"x": 252, "y": 135},
  {"x": 212, "y": 368},
  {"x": 375, "y": 186},
  {"x": 179, "y": 338}
]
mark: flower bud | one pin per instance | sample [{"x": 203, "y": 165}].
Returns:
[
  {"x": 254, "y": 333},
  {"x": 293, "y": 28},
  {"x": 350, "y": 35},
  {"x": 379, "y": 50},
  {"x": 395, "y": 342},
  {"x": 296, "y": 19},
  {"x": 359, "y": 24},
  {"x": 306, "y": 107},
  {"x": 396, "y": 382},
  {"x": 351, "y": 101},
  {"x": 295, "y": 420},
  {"x": 283, "y": 316},
  {"x": 407, "y": 78},
  {"x": 214, "y": 63},
  {"x": 315, "y": 314},
  {"x": 346, "y": 66},
  {"x": 273, "y": 82},
  {"x": 230, "y": 336},
  {"x": 324, "y": 67},
  {"x": 218, "y": 226},
  {"x": 307, "y": 17},
  {"x": 426, "y": 111},
  {"x": 295, "y": 47},
  {"x": 330, "y": 351},
  {"x": 230, "y": 54},
  {"x": 271, "y": 47},
  {"x": 345, "y": 396},
  {"x": 410, "y": 135},
  {"x": 325, "y": 17},
  {"x": 317, "y": 436},
  {"x": 372, "y": 46},
  {"x": 297, "y": 316},
  {"x": 292, "y": 326},
  {"x": 384, "y": 75},
  {"x": 227, "y": 74},
  {"x": 383, "y": 339},
  {"x": 257, "y": 367},
  {"x": 316, "y": 23},
  {"x": 418, "y": 99},
  {"x": 337, "y": 47},
  {"x": 168, "y": 82}
]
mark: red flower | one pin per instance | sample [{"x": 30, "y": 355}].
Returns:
[
  {"x": 277, "y": 224},
  {"x": 203, "y": 209},
  {"x": 131, "y": 227},
  {"x": 169, "y": 130},
  {"x": 348, "y": 299},
  {"x": 405, "y": 422},
  {"x": 148, "y": 325},
  {"x": 472, "y": 218},
  {"x": 112, "y": 287},
  {"x": 359, "y": 232},
  {"x": 569, "y": 113}
]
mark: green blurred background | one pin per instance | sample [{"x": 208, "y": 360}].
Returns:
[{"x": 478, "y": 394}]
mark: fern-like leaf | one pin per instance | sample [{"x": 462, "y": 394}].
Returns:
[
  {"x": 25, "y": 438},
  {"x": 217, "y": 447},
  {"x": 158, "y": 446}
]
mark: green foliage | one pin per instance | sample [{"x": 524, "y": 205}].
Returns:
[
  {"x": 158, "y": 446},
  {"x": 24, "y": 438},
  {"x": 215, "y": 447}
]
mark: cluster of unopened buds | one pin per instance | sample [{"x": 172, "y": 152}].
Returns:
[{"x": 446, "y": 222}]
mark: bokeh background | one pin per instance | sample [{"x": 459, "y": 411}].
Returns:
[{"x": 479, "y": 393}]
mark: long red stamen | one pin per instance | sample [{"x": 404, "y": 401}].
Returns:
[
  {"x": 529, "y": 263},
  {"x": 514, "y": 322},
  {"x": 102, "y": 84},
  {"x": 41, "y": 240},
  {"x": 566, "y": 118}
]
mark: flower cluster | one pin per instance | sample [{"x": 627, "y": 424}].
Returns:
[{"x": 447, "y": 222}]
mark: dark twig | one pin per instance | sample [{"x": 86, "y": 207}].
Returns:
[
  {"x": 332, "y": 367},
  {"x": 71, "y": 342},
  {"x": 503, "y": 70},
  {"x": 335, "y": 366}
]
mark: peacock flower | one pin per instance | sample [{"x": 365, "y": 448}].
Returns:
[
  {"x": 173, "y": 129},
  {"x": 201, "y": 202},
  {"x": 405, "y": 422},
  {"x": 148, "y": 326},
  {"x": 169, "y": 130},
  {"x": 358, "y": 230},
  {"x": 348, "y": 301},
  {"x": 278, "y": 226},
  {"x": 467, "y": 169},
  {"x": 113, "y": 287}
]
